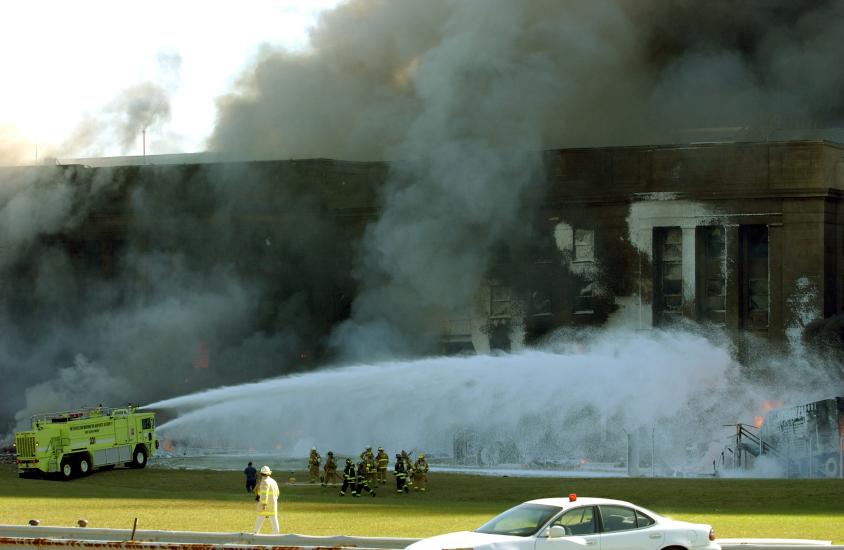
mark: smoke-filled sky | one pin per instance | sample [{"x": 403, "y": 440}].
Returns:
[
  {"x": 83, "y": 79},
  {"x": 465, "y": 94},
  {"x": 68, "y": 65}
]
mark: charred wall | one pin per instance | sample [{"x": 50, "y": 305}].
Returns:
[{"x": 208, "y": 271}]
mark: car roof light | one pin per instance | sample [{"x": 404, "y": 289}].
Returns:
[{"x": 572, "y": 497}]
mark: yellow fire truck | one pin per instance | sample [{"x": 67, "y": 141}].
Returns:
[{"x": 73, "y": 443}]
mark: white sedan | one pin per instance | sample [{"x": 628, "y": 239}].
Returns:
[{"x": 577, "y": 524}]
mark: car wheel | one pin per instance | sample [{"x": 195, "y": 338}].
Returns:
[
  {"x": 139, "y": 458},
  {"x": 84, "y": 465},
  {"x": 66, "y": 469}
]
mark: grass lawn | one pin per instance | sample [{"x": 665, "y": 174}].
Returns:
[{"x": 216, "y": 501}]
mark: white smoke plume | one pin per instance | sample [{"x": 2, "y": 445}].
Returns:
[
  {"x": 138, "y": 108},
  {"x": 32, "y": 206},
  {"x": 188, "y": 297},
  {"x": 461, "y": 96},
  {"x": 121, "y": 123},
  {"x": 465, "y": 94},
  {"x": 13, "y": 147},
  {"x": 83, "y": 379}
]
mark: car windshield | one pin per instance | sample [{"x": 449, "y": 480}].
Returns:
[{"x": 521, "y": 521}]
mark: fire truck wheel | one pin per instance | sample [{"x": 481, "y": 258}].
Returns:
[
  {"x": 84, "y": 465},
  {"x": 139, "y": 457},
  {"x": 66, "y": 469}
]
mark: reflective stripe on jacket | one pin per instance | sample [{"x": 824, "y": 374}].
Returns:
[{"x": 267, "y": 496}]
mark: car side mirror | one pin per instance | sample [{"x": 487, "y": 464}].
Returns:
[{"x": 556, "y": 531}]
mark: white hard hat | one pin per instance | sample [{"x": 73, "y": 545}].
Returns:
[
  {"x": 265, "y": 470},
  {"x": 313, "y": 448}
]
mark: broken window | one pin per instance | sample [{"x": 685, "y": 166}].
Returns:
[
  {"x": 499, "y": 336},
  {"x": 583, "y": 300},
  {"x": 499, "y": 301},
  {"x": 668, "y": 274},
  {"x": 584, "y": 245},
  {"x": 754, "y": 266},
  {"x": 583, "y": 262},
  {"x": 714, "y": 297},
  {"x": 540, "y": 302}
]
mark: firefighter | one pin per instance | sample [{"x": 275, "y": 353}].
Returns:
[
  {"x": 400, "y": 472},
  {"x": 408, "y": 468},
  {"x": 313, "y": 465},
  {"x": 363, "y": 478},
  {"x": 371, "y": 470},
  {"x": 349, "y": 479},
  {"x": 420, "y": 473},
  {"x": 330, "y": 470},
  {"x": 381, "y": 463},
  {"x": 251, "y": 478},
  {"x": 267, "y": 498}
]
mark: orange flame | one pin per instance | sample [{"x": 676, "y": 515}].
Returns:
[{"x": 767, "y": 405}]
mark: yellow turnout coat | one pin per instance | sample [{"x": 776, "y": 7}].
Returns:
[{"x": 267, "y": 492}]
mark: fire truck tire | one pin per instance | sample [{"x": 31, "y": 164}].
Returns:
[
  {"x": 84, "y": 465},
  {"x": 830, "y": 467},
  {"x": 139, "y": 457},
  {"x": 66, "y": 469}
]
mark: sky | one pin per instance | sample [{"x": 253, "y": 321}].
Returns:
[{"x": 67, "y": 61}]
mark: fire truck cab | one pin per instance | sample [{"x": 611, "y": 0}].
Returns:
[{"x": 73, "y": 443}]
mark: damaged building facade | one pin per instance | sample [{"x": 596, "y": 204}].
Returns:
[{"x": 748, "y": 237}]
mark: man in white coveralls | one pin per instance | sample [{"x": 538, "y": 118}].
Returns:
[{"x": 266, "y": 495}]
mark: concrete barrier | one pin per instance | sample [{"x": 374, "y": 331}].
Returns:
[{"x": 26, "y": 537}]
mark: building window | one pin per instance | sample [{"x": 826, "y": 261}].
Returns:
[
  {"x": 754, "y": 280},
  {"x": 583, "y": 299},
  {"x": 583, "y": 265},
  {"x": 584, "y": 245},
  {"x": 545, "y": 250},
  {"x": 540, "y": 302},
  {"x": 713, "y": 272},
  {"x": 668, "y": 274},
  {"x": 499, "y": 302},
  {"x": 457, "y": 339}
]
